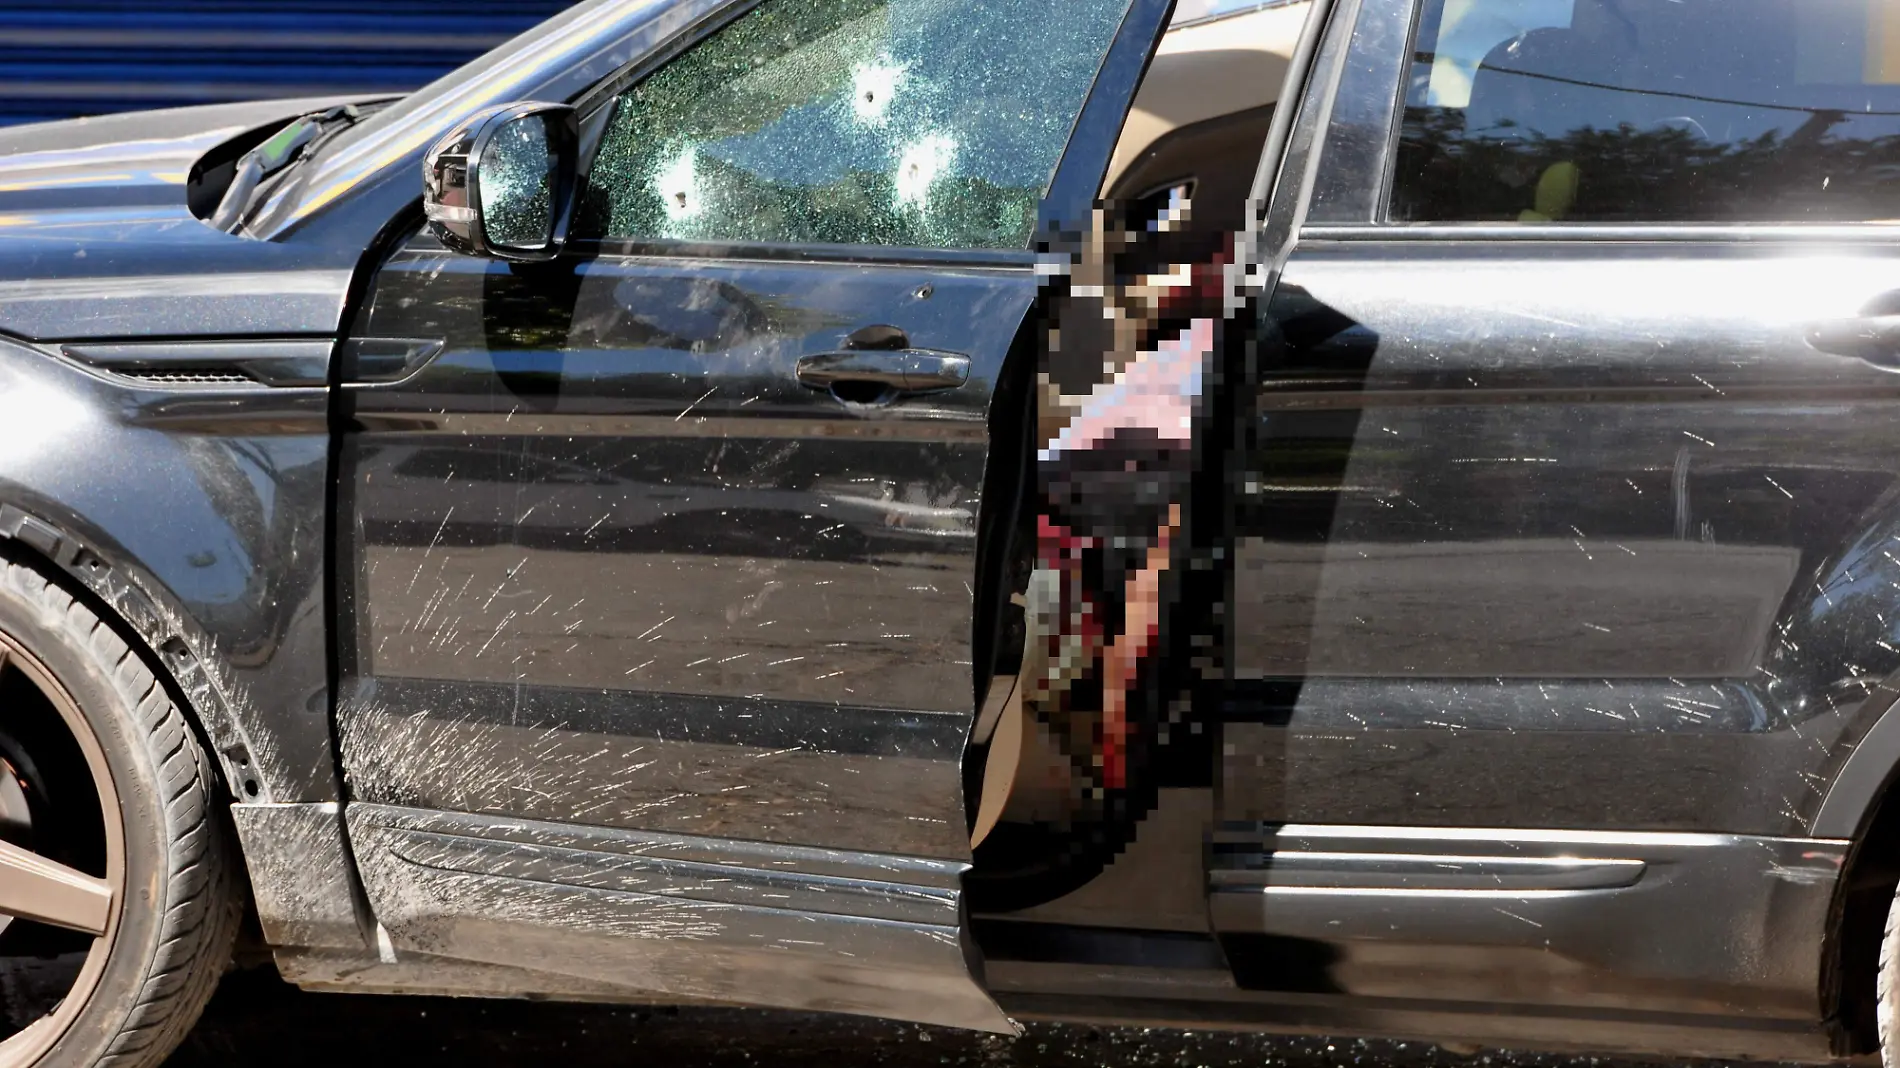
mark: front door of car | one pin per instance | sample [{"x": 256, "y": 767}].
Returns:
[
  {"x": 666, "y": 550},
  {"x": 1566, "y": 520}
]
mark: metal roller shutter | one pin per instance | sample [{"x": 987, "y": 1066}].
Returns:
[{"x": 61, "y": 58}]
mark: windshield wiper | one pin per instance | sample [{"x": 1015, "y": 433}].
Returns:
[{"x": 278, "y": 151}]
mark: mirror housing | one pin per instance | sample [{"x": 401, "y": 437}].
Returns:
[{"x": 502, "y": 184}]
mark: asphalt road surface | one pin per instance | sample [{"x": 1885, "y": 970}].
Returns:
[{"x": 259, "y": 1020}]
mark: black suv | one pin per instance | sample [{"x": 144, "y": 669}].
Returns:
[{"x": 1376, "y": 516}]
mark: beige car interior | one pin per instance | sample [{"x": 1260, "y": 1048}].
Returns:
[{"x": 1197, "y": 122}]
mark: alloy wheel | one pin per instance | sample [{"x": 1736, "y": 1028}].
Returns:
[{"x": 62, "y": 859}]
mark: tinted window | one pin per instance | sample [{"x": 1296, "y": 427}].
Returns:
[
  {"x": 918, "y": 123},
  {"x": 1653, "y": 111}
]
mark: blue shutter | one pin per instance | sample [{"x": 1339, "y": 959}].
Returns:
[{"x": 61, "y": 58}]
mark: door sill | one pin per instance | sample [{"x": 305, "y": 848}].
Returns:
[{"x": 675, "y": 916}]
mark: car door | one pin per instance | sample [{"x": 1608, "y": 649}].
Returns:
[
  {"x": 1562, "y": 527},
  {"x": 660, "y": 559}
]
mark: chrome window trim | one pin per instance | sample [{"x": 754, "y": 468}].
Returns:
[
  {"x": 1222, "y": 16},
  {"x": 1767, "y": 233},
  {"x": 1359, "y": 131}
]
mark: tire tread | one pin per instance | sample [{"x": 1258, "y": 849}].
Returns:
[
  {"x": 202, "y": 903},
  {"x": 1887, "y": 987}
]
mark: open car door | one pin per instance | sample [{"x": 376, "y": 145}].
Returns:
[{"x": 660, "y": 568}]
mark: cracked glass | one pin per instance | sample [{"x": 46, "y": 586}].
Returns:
[{"x": 909, "y": 123}]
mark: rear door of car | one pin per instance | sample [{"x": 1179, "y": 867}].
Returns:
[
  {"x": 661, "y": 558},
  {"x": 1564, "y": 526}
]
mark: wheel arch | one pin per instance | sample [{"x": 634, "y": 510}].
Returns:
[
  {"x": 196, "y": 517},
  {"x": 264, "y": 752},
  {"x": 1861, "y": 804},
  {"x": 165, "y": 637},
  {"x": 1868, "y": 813},
  {"x": 1830, "y": 678}
]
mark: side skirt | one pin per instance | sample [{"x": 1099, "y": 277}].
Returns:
[
  {"x": 1653, "y": 943},
  {"x": 1705, "y": 924},
  {"x": 672, "y": 917}
]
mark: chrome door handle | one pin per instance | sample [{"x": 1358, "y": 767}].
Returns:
[
  {"x": 902, "y": 370},
  {"x": 1873, "y": 338}
]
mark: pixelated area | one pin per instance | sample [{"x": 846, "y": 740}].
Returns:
[
  {"x": 1147, "y": 313},
  {"x": 1144, "y": 315}
]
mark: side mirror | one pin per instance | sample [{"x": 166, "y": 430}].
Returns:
[{"x": 502, "y": 184}]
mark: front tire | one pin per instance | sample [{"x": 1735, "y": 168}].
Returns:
[
  {"x": 121, "y": 807},
  {"x": 1887, "y": 991}
]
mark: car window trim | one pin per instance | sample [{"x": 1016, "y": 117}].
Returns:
[
  {"x": 1289, "y": 168},
  {"x": 1766, "y": 233},
  {"x": 1074, "y": 184},
  {"x": 807, "y": 252},
  {"x": 1345, "y": 189},
  {"x": 1222, "y": 16}
]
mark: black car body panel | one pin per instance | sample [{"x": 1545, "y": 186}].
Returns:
[
  {"x": 102, "y": 247},
  {"x": 102, "y": 244},
  {"x": 1711, "y": 652},
  {"x": 1494, "y": 428},
  {"x": 630, "y": 467},
  {"x": 234, "y": 479},
  {"x": 1543, "y": 383}
]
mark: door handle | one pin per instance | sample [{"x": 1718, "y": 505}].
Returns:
[
  {"x": 903, "y": 370},
  {"x": 1873, "y": 338},
  {"x": 881, "y": 358}
]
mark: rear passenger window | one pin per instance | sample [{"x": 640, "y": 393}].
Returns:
[{"x": 1621, "y": 111}]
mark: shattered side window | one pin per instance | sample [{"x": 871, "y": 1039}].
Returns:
[{"x": 909, "y": 123}]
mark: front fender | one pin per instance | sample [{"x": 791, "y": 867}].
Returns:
[{"x": 197, "y": 514}]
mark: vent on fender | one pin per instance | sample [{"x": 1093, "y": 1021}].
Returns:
[{"x": 185, "y": 376}]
